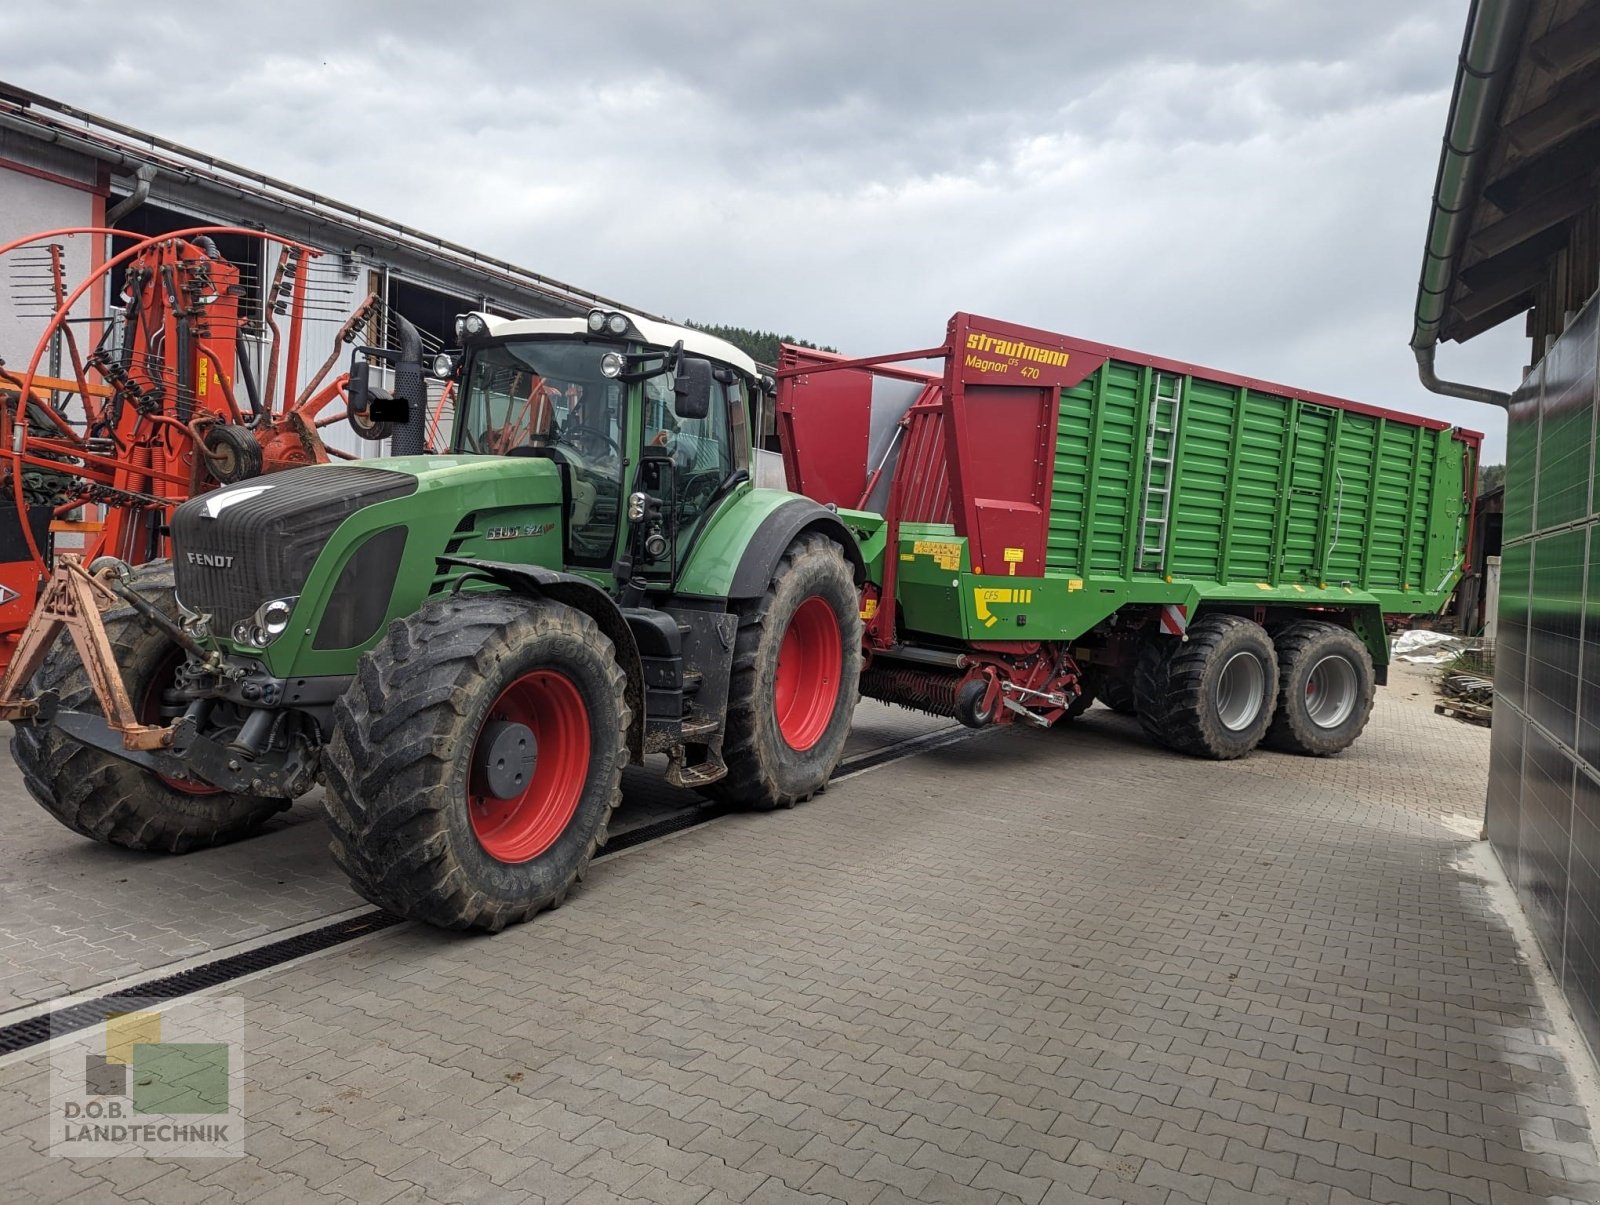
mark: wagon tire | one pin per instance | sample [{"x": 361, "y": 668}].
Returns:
[
  {"x": 476, "y": 760},
  {"x": 1114, "y": 688},
  {"x": 1212, "y": 695},
  {"x": 1326, "y": 686},
  {"x": 102, "y": 796},
  {"x": 795, "y": 681}
]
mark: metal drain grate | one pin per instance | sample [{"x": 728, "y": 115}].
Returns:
[{"x": 20, "y": 1035}]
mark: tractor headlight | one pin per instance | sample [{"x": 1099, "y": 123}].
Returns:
[
  {"x": 273, "y": 617},
  {"x": 608, "y": 321},
  {"x": 473, "y": 325},
  {"x": 444, "y": 365},
  {"x": 461, "y": 327},
  {"x": 611, "y": 365},
  {"x": 270, "y": 621}
]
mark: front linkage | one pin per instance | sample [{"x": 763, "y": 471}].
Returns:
[{"x": 75, "y": 600}]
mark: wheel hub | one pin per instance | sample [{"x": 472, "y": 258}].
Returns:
[
  {"x": 529, "y": 765},
  {"x": 505, "y": 759},
  {"x": 1332, "y": 691},
  {"x": 1241, "y": 691}
]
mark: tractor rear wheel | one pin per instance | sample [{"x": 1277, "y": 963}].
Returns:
[
  {"x": 476, "y": 760},
  {"x": 1325, "y": 689},
  {"x": 796, "y": 678},
  {"x": 102, "y": 796},
  {"x": 1211, "y": 695}
]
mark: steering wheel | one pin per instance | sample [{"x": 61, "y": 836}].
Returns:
[
  {"x": 578, "y": 437},
  {"x": 697, "y": 492}
]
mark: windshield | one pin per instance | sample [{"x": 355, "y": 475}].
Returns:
[
  {"x": 538, "y": 393},
  {"x": 548, "y": 397}
]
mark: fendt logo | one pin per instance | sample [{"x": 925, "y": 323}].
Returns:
[{"x": 209, "y": 560}]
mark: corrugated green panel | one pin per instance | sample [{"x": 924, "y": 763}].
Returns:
[
  {"x": 1265, "y": 489},
  {"x": 1069, "y": 501},
  {"x": 1263, "y": 443},
  {"x": 1196, "y": 549},
  {"x": 1307, "y": 499},
  {"x": 1117, "y": 468},
  {"x": 1389, "y": 531}
]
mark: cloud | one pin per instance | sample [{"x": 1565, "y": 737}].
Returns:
[{"x": 1240, "y": 184}]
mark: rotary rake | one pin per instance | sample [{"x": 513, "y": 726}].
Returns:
[{"x": 124, "y": 411}]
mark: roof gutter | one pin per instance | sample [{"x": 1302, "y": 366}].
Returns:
[
  {"x": 175, "y": 161},
  {"x": 1488, "y": 52}
]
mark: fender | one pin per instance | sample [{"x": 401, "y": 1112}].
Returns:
[
  {"x": 780, "y": 529},
  {"x": 580, "y": 594}
]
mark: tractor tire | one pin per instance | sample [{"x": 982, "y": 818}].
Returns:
[
  {"x": 476, "y": 760},
  {"x": 1212, "y": 695},
  {"x": 102, "y": 796},
  {"x": 1325, "y": 689},
  {"x": 796, "y": 679}
]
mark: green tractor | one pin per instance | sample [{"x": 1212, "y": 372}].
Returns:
[{"x": 466, "y": 648}]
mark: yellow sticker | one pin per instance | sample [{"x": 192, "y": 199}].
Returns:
[
  {"x": 1074, "y": 583},
  {"x": 203, "y": 379},
  {"x": 944, "y": 554},
  {"x": 1263, "y": 586},
  {"x": 870, "y": 609},
  {"x": 1013, "y": 554},
  {"x": 982, "y": 596}
]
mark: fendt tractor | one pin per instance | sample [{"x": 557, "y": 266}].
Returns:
[{"x": 466, "y": 648}]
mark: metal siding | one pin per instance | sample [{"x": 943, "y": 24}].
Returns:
[
  {"x": 1581, "y": 972},
  {"x": 1543, "y": 807}
]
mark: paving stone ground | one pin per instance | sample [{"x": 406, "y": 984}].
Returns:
[
  {"x": 1038, "y": 967},
  {"x": 75, "y": 914}
]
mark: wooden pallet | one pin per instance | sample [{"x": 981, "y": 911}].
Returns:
[{"x": 1471, "y": 713}]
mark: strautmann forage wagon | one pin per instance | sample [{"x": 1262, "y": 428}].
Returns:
[{"x": 465, "y": 648}]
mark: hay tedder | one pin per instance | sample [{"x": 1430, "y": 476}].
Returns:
[{"x": 189, "y": 379}]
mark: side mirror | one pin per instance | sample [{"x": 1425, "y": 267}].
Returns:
[
  {"x": 691, "y": 388},
  {"x": 389, "y": 410},
  {"x": 359, "y": 389}
]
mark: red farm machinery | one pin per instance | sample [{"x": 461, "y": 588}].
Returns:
[{"x": 189, "y": 379}]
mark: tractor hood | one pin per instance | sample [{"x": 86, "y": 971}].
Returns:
[{"x": 334, "y": 540}]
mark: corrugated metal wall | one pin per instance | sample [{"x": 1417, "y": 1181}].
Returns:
[
  {"x": 1544, "y": 774},
  {"x": 1264, "y": 488}
]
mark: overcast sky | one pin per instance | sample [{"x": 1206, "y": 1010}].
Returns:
[{"x": 1242, "y": 184}]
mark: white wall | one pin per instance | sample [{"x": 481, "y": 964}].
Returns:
[{"x": 28, "y": 205}]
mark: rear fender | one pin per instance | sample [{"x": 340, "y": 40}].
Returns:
[{"x": 581, "y": 595}]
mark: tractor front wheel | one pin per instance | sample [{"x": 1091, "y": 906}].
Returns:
[
  {"x": 796, "y": 677},
  {"x": 102, "y": 796},
  {"x": 476, "y": 760}
]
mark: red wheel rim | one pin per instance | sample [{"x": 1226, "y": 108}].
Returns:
[
  {"x": 807, "y": 685},
  {"x": 150, "y": 713},
  {"x": 521, "y": 828}
]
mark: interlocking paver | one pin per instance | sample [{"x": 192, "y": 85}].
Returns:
[{"x": 964, "y": 977}]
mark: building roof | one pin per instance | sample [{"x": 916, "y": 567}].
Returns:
[
  {"x": 1518, "y": 163},
  {"x": 125, "y": 150}
]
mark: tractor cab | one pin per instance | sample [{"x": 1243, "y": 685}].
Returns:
[{"x": 647, "y": 425}]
